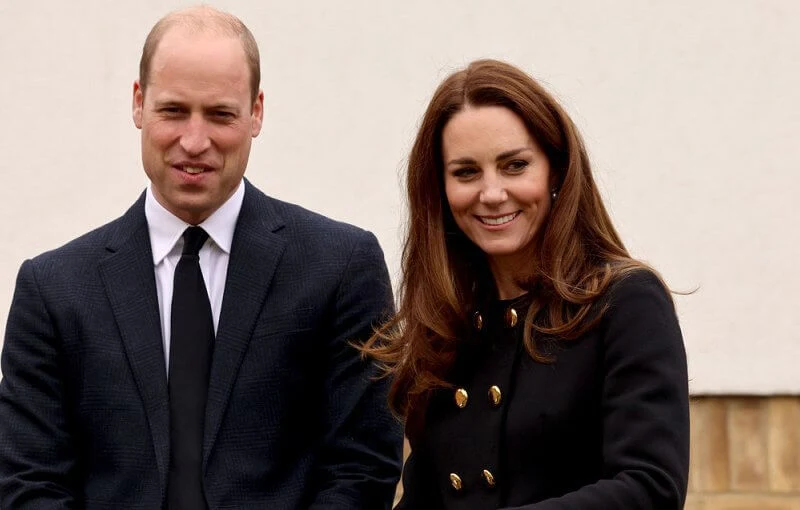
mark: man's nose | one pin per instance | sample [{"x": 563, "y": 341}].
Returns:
[{"x": 195, "y": 139}]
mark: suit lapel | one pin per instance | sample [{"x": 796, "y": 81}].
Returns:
[
  {"x": 255, "y": 253},
  {"x": 129, "y": 281}
]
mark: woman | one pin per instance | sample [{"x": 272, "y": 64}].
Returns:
[{"x": 537, "y": 365}]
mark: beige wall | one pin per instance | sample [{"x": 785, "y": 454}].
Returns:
[{"x": 689, "y": 108}]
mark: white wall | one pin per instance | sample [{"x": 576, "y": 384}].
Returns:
[{"x": 689, "y": 108}]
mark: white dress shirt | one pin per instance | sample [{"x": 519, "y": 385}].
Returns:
[{"x": 166, "y": 242}]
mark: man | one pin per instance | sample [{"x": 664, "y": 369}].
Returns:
[{"x": 154, "y": 364}]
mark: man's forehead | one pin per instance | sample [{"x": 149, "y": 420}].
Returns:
[
  {"x": 178, "y": 40},
  {"x": 197, "y": 76}
]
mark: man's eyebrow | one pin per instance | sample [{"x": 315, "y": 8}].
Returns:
[
  {"x": 215, "y": 106},
  {"x": 167, "y": 102},
  {"x": 222, "y": 106}
]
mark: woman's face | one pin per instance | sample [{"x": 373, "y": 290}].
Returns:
[{"x": 497, "y": 182}]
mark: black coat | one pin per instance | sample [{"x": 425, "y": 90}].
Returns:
[
  {"x": 603, "y": 427},
  {"x": 294, "y": 420}
]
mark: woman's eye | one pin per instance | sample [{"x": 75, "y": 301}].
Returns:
[
  {"x": 517, "y": 165},
  {"x": 464, "y": 172}
]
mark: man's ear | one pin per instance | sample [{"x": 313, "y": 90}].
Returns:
[
  {"x": 257, "y": 114},
  {"x": 138, "y": 104}
]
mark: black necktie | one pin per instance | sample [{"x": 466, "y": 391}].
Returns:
[{"x": 191, "y": 343}]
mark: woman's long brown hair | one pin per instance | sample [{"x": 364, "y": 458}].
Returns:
[{"x": 445, "y": 276}]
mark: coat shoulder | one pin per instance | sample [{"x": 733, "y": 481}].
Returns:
[{"x": 642, "y": 286}]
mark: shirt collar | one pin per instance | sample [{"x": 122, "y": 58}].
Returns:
[{"x": 165, "y": 228}]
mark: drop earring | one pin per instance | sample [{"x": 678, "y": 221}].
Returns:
[{"x": 553, "y": 195}]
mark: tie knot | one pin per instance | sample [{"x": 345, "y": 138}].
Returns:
[{"x": 193, "y": 240}]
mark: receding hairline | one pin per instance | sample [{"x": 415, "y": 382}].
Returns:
[{"x": 202, "y": 19}]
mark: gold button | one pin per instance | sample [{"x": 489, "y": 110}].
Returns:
[
  {"x": 461, "y": 398},
  {"x": 511, "y": 317},
  {"x": 488, "y": 477},
  {"x": 477, "y": 320},
  {"x": 495, "y": 396},
  {"x": 455, "y": 481}
]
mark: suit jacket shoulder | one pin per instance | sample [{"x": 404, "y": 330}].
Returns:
[
  {"x": 81, "y": 255},
  {"x": 301, "y": 224}
]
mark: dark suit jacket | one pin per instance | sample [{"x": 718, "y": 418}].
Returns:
[
  {"x": 295, "y": 419},
  {"x": 603, "y": 427}
]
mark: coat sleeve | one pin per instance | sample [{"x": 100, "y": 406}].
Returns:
[
  {"x": 362, "y": 449},
  {"x": 37, "y": 458},
  {"x": 645, "y": 406}
]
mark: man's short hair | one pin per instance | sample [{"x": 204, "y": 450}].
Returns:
[{"x": 200, "y": 19}]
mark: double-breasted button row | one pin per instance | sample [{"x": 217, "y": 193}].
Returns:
[
  {"x": 462, "y": 397},
  {"x": 457, "y": 484},
  {"x": 510, "y": 318}
]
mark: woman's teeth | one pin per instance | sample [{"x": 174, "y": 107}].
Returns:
[{"x": 498, "y": 221}]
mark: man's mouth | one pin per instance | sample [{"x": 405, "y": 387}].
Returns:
[{"x": 193, "y": 170}]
